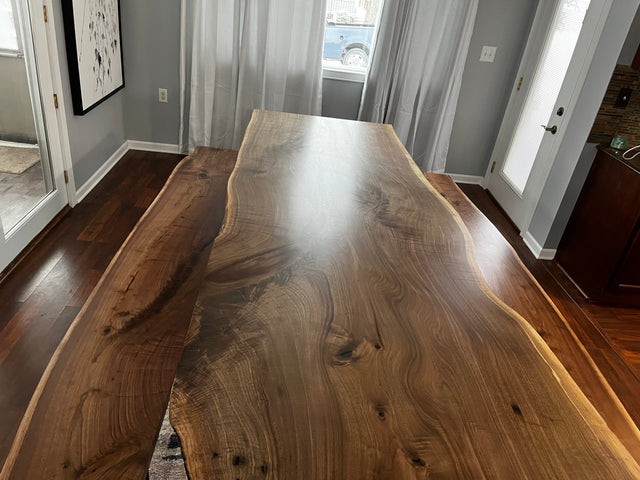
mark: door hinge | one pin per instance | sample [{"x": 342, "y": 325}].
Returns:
[
  {"x": 66, "y": 177},
  {"x": 493, "y": 167},
  {"x": 55, "y": 100},
  {"x": 44, "y": 11},
  {"x": 520, "y": 83}
]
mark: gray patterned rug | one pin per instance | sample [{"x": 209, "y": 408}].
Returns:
[
  {"x": 167, "y": 462},
  {"x": 17, "y": 160}
]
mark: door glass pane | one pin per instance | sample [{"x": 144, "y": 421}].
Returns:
[
  {"x": 543, "y": 95},
  {"x": 25, "y": 174},
  {"x": 8, "y": 36}
]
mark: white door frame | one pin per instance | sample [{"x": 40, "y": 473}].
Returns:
[
  {"x": 54, "y": 84},
  {"x": 44, "y": 52},
  {"x": 528, "y": 65},
  {"x": 50, "y": 82}
]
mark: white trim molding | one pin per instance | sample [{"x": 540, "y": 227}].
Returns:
[
  {"x": 470, "y": 179},
  {"x": 90, "y": 184},
  {"x": 56, "y": 81},
  {"x": 153, "y": 146},
  {"x": 539, "y": 252},
  {"x": 344, "y": 74}
]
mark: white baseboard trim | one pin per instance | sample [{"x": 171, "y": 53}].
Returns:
[
  {"x": 471, "y": 179},
  {"x": 539, "y": 252},
  {"x": 153, "y": 147},
  {"x": 6, "y": 143},
  {"x": 90, "y": 184}
]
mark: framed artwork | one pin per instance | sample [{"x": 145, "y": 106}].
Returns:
[{"x": 94, "y": 51}]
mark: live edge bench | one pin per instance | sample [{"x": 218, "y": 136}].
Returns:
[{"x": 352, "y": 320}]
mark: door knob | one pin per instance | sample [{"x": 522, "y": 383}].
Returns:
[{"x": 553, "y": 129}]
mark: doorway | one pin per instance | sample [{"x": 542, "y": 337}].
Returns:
[
  {"x": 32, "y": 186},
  {"x": 554, "y": 66}
]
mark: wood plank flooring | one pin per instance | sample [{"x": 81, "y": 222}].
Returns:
[{"x": 344, "y": 331}]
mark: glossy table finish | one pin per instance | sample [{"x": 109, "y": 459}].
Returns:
[
  {"x": 98, "y": 407},
  {"x": 343, "y": 330},
  {"x": 512, "y": 282}
]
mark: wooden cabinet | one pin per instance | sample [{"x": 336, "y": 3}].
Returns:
[
  {"x": 600, "y": 249},
  {"x": 628, "y": 277}
]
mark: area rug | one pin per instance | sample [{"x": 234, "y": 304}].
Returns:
[
  {"x": 18, "y": 159},
  {"x": 167, "y": 462}
]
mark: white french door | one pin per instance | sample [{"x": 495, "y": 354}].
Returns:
[
  {"x": 30, "y": 198},
  {"x": 558, "y": 53}
]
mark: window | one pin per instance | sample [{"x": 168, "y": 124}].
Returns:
[
  {"x": 8, "y": 33},
  {"x": 348, "y": 37}
]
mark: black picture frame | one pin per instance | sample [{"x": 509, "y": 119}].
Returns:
[{"x": 96, "y": 68}]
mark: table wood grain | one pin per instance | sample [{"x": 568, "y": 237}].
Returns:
[
  {"x": 343, "y": 330},
  {"x": 98, "y": 408},
  {"x": 512, "y": 282}
]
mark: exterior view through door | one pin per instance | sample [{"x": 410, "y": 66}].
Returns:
[
  {"x": 553, "y": 69},
  {"x": 32, "y": 189}
]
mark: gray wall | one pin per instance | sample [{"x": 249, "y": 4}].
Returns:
[
  {"x": 630, "y": 46},
  {"x": 151, "y": 50},
  {"x": 570, "y": 198},
  {"x": 485, "y": 90},
  {"x": 341, "y": 99},
  {"x": 94, "y": 137},
  {"x": 553, "y": 204},
  {"x": 486, "y": 87},
  {"x": 151, "y": 40},
  {"x": 16, "y": 114}
]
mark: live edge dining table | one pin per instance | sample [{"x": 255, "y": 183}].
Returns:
[{"x": 342, "y": 329}]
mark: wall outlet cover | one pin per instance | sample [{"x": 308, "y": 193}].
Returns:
[
  {"x": 488, "y": 54},
  {"x": 162, "y": 95}
]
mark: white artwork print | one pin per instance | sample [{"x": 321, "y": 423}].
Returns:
[{"x": 97, "y": 30}]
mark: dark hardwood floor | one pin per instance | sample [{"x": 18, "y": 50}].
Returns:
[{"x": 42, "y": 296}]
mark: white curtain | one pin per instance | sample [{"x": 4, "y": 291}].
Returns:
[
  {"x": 239, "y": 55},
  {"x": 416, "y": 72}
]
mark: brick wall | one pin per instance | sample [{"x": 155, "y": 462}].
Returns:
[{"x": 612, "y": 119}]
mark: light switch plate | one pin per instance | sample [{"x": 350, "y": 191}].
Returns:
[
  {"x": 488, "y": 54},
  {"x": 162, "y": 95}
]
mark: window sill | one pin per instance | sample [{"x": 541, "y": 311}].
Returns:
[{"x": 344, "y": 74}]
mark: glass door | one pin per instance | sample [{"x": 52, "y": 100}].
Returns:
[
  {"x": 558, "y": 50},
  {"x": 30, "y": 193},
  {"x": 546, "y": 85}
]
